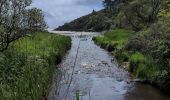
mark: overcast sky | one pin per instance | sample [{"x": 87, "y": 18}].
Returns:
[{"x": 58, "y": 12}]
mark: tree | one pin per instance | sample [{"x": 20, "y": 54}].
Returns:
[
  {"x": 35, "y": 19},
  {"x": 142, "y": 13},
  {"x": 14, "y": 22},
  {"x": 11, "y": 20},
  {"x": 108, "y": 4}
]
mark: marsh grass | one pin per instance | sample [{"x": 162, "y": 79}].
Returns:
[{"x": 27, "y": 67}]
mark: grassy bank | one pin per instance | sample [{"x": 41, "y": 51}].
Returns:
[
  {"x": 113, "y": 40},
  {"x": 26, "y": 68},
  {"x": 133, "y": 53}
]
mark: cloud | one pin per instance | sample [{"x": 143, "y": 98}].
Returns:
[{"x": 58, "y": 12}]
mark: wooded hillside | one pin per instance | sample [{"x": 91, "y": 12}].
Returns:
[{"x": 95, "y": 21}]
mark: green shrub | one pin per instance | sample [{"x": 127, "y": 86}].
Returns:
[{"x": 161, "y": 79}]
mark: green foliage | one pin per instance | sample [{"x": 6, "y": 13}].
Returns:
[
  {"x": 133, "y": 14},
  {"x": 16, "y": 20},
  {"x": 95, "y": 21},
  {"x": 136, "y": 59},
  {"x": 143, "y": 66},
  {"x": 148, "y": 51},
  {"x": 114, "y": 39},
  {"x": 27, "y": 67},
  {"x": 165, "y": 11},
  {"x": 118, "y": 34},
  {"x": 154, "y": 42},
  {"x": 161, "y": 79},
  {"x": 35, "y": 19},
  {"x": 98, "y": 22}
]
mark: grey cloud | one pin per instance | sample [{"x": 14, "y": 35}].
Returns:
[
  {"x": 58, "y": 12},
  {"x": 88, "y": 2}
]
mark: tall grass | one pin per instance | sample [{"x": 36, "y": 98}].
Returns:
[
  {"x": 143, "y": 66},
  {"x": 26, "y": 68},
  {"x": 114, "y": 39}
]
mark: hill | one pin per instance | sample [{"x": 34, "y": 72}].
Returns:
[{"x": 95, "y": 21}]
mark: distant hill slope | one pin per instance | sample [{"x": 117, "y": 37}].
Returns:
[{"x": 95, "y": 21}]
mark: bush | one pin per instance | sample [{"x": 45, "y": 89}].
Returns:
[
  {"x": 154, "y": 41},
  {"x": 161, "y": 80}
]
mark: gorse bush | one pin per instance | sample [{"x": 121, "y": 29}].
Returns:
[{"x": 27, "y": 67}]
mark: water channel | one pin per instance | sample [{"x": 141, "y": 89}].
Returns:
[{"x": 91, "y": 73}]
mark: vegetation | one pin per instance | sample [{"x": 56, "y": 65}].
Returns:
[
  {"x": 16, "y": 20},
  {"x": 139, "y": 34},
  {"x": 35, "y": 19},
  {"x": 147, "y": 58},
  {"x": 27, "y": 66},
  {"x": 113, "y": 40},
  {"x": 96, "y": 21},
  {"x": 148, "y": 49},
  {"x": 27, "y": 61}
]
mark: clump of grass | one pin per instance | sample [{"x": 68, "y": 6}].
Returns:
[
  {"x": 142, "y": 66},
  {"x": 136, "y": 59},
  {"x": 118, "y": 34},
  {"x": 114, "y": 39},
  {"x": 27, "y": 67}
]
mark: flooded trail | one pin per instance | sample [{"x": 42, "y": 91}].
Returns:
[{"x": 91, "y": 73}]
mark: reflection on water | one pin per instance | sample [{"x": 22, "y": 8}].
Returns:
[{"x": 90, "y": 73}]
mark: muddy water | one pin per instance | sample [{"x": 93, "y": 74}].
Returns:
[{"x": 91, "y": 73}]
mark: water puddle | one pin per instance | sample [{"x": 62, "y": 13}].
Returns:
[{"x": 90, "y": 73}]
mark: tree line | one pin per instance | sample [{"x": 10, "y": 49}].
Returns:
[{"x": 138, "y": 14}]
